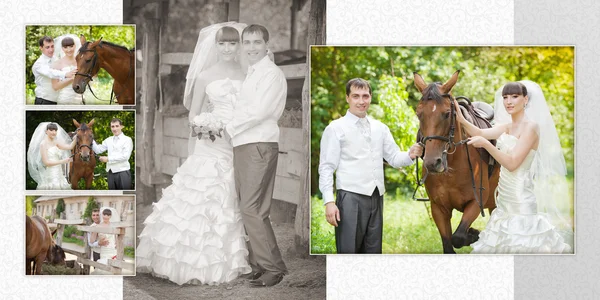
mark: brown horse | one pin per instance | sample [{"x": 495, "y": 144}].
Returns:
[
  {"x": 40, "y": 247},
  {"x": 84, "y": 159},
  {"x": 449, "y": 181},
  {"x": 117, "y": 60}
]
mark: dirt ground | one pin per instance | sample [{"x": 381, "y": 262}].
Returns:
[{"x": 306, "y": 278}]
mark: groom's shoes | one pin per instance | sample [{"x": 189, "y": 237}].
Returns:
[
  {"x": 267, "y": 279},
  {"x": 255, "y": 274}
]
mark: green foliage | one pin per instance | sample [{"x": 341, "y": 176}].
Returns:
[
  {"x": 123, "y": 35},
  {"x": 91, "y": 205},
  {"x": 60, "y": 207},
  {"x": 390, "y": 70},
  {"x": 101, "y": 129},
  {"x": 322, "y": 234},
  {"x": 30, "y": 204},
  {"x": 129, "y": 252}
]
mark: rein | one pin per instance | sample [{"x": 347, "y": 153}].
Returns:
[{"x": 450, "y": 144}]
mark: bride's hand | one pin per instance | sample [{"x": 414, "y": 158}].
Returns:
[
  {"x": 459, "y": 115},
  {"x": 477, "y": 141},
  {"x": 68, "y": 160}
]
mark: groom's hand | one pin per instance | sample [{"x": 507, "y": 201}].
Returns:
[
  {"x": 71, "y": 74},
  {"x": 103, "y": 158},
  {"x": 332, "y": 213}
]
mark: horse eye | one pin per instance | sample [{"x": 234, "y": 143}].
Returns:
[
  {"x": 447, "y": 115},
  {"x": 88, "y": 60}
]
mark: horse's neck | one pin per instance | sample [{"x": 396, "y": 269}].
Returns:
[{"x": 112, "y": 59}]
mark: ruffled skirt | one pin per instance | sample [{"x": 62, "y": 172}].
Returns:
[
  {"x": 195, "y": 233},
  {"x": 519, "y": 234}
]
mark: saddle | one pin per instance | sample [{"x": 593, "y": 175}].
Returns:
[{"x": 481, "y": 115}]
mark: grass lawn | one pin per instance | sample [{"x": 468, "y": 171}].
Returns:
[{"x": 407, "y": 228}]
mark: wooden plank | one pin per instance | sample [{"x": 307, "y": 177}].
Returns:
[
  {"x": 121, "y": 264},
  {"x": 73, "y": 251},
  {"x": 233, "y": 11},
  {"x": 69, "y": 222},
  {"x": 175, "y": 146},
  {"x": 176, "y": 127},
  {"x": 98, "y": 229},
  {"x": 170, "y": 164},
  {"x": 94, "y": 264},
  {"x": 176, "y": 58},
  {"x": 286, "y": 189},
  {"x": 59, "y": 233},
  {"x": 297, "y": 71},
  {"x": 290, "y": 139}
]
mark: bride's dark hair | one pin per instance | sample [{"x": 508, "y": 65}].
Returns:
[
  {"x": 67, "y": 41},
  {"x": 51, "y": 126},
  {"x": 227, "y": 34},
  {"x": 514, "y": 88}
]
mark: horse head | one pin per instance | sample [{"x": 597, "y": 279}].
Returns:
[
  {"x": 437, "y": 121},
  {"x": 87, "y": 64},
  {"x": 56, "y": 255},
  {"x": 85, "y": 137}
]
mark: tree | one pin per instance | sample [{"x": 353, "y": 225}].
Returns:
[
  {"x": 60, "y": 207},
  {"x": 91, "y": 205}
]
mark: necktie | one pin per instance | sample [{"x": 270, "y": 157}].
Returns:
[
  {"x": 363, "y": 124},
  {"x": 115, "y": 139}
]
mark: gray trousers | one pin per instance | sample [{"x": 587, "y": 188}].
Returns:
[
  {"x": 119, "y": 181},
  {"x": 255, "y": 166},
  {"x": 360, "y": 228}
]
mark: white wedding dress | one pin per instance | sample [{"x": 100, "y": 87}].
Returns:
[
  {"x": 515, "y": 225},
  {"x": 195, "y": 233},
  {"x": 110, "y": 250},
  {"x": 66, "y": 95},
  {"x": 53, "y": 178}
]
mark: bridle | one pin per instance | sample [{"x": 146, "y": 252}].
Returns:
[
  {"x": 80, "y": 146},
  {"x": 450, "y": 144}
]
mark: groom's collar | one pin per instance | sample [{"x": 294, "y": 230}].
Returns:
[
  {"x": 353, "y": 118},
  {"x": 261, "y": 62},
  {"x": 46, "y": 57}
]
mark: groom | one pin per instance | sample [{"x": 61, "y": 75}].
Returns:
[
  {"x": 254, "y": 135},
  {"x": 44, "y": 93},
  {"x": 119, "y": 148},
  {"x": 354, "y": 147}
]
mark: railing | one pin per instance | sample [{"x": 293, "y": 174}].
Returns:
[{"x": 115, "y": 266}]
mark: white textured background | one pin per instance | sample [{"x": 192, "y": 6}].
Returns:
[
  {"x": 422, "y": 22},
  {"x": 419, "y": 22},
  {"x": 14, "y": 15}
]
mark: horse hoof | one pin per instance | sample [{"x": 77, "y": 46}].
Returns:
[
  {"x": 458, "y": 241},
  {"x": 473, "y": 235}
]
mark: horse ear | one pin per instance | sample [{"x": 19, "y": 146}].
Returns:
[
  {"x": 447, "y": 87},
  {"x": 419, "y": 82},
  {"x": 82, "y": 39},
  {"x": 91, "y": 123},
  {"x": 53, "y": 232},
  {"x": 76, "y": 123}
]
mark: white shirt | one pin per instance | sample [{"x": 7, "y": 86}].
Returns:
[
  {"x": 118, "y": 152},
  {"x": 260, "y": 105},
  {"x": 44, "y": 74},
  {"x": 358, "y": 163}
]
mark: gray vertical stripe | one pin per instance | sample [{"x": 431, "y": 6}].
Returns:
[{"x": 556, "y": 22}]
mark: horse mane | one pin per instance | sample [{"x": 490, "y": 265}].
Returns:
[
  {"x": 84, "y": 126},
  {"x": 86, "y": 44},
  {"x": 432, "y": 92}
]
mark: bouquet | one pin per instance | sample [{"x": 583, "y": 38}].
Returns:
[{"x": 206, "y": 125}]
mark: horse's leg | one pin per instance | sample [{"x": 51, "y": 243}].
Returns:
[
  {"x": 463, "y": 236},
  {"x": 442, "y": 216},
  {"x": 88, "y": 181},
  {"x": 28, "y": 266},
  {"x": 74, "y": 181},
  {"x": 39, "y": 260}
]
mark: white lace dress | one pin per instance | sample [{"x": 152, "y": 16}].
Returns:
[
  {"x": 515, "y": 225},
  {"x": 66, "y": 95},
  {"x": 195, "y": 233},
  {"x": 53, "y": 178}
]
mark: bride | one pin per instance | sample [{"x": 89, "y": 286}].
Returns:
[
  {"x": 48, "y": 151},
  {"x": 70, "y": 44},
  {"x": 108, "y": 251},
  {"x": 532, "y": 195},
  {"x": 195, "y": 234}
]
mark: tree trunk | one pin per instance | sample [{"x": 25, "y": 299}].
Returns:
[{"x": 316, "y": 36}]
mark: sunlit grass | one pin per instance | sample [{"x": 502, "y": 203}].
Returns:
[
  {"x": 102, "y": 88},
  {"x": 407, "y": 228}
]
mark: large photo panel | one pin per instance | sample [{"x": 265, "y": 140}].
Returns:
[{"x": 408, "y": 92}]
